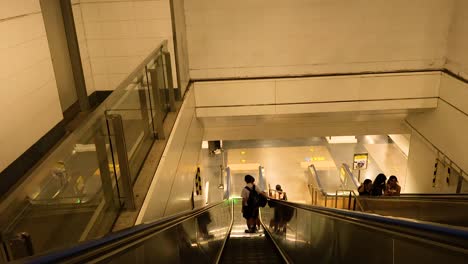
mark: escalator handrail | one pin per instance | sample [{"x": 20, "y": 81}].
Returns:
[
  {"x": 437, "y": 198},
  {"x": 112, "y": 242},
  {"x": 409, "y": 225}
]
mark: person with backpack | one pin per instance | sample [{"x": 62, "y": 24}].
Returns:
[{"x": 252, "y": 199}]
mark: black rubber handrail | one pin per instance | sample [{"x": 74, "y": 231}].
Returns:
[
  {"x": 450, "y": 235},
  {"x": 115, "y": 242},
  {"x": 425, "y": 198}
]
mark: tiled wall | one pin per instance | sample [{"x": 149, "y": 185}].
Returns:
[
  {"x": 446, "y": 127},
  {"x": 457, "y": 55},
  {"x": 83, "y": 45},
  {"x": 276, "y": 37},
  {"x": 28, "y": 91},
  {"x": 120, "y": 34}
]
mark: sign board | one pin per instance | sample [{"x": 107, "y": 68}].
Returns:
[{"x": 360, "y": 161}]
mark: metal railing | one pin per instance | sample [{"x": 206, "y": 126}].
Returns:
[{"x": 96, "y": 165}]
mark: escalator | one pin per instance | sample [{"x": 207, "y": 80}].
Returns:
[
  {"x": 214, "y": 234},
  {"x": 447, "y": 209},
  {"x": 243, "y": 247}
]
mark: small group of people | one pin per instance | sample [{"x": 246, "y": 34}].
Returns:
[
  {"x": 252, "y": 199},
  {"x": 380, "y": 186}
]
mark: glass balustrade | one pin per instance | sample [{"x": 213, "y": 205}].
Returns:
[{"x": 77, "y": 192}]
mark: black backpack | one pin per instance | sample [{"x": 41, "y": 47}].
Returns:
[{"x": 255, "y": 199}]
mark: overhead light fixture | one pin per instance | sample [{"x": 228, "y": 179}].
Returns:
[
  {"x": 204, "y": 145},
  {"x": 341, "y": 139}
]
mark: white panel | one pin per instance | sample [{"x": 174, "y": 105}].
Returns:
[
  {"x": 446, "y": 128},
  {"x": 101, "y": 82},
  {"x": 99, "y": 65},
  {"x": 421, "y": 161},
  {"x": 457, "y": 55},
  {"x": 120, "y": 32},
  {"x": 317, "y": 108},
  {"x": 318, "y": 94},
  {"x": 13, "y": 8},
  {"x": 116, "y": 29},
  {"x": 455, "y": 92},
  {"x": 153, "y": 28},
  {"x": 317, "y": 89},
  {"x": 28, "y": 90},
  {"x": 96, "y": 48},
  {"x": 234, "y": 93},
  {"x": 20, "y": 30},
  {"x": 356, "y": 106},
  {"x": 16, "y": 87},
  {"x": 399, "y": 86},
  {"x": 146, "y": 10},
  {"x": 116, "y": 79},
  {"x": 276, "y": 37},
  {"x": 236, "y": 111},
  {"x": 33, "y": 116},
  {"x": 20, "y": 57},
  {"x": 293, "y": 130},
  {"x": 179, "y": 199},
  {"x": 176, "y": 167},
  {"x": 398, "y": 104}
]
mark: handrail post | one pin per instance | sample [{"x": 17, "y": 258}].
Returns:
[
  {"x": 144, "y": 106},
  {"x": 336, "y": 199},
  {"x": 460, "y": 182},
  {"x": 103, "y": 163},
  {"x": 169, "y": 83},
  {"x": 158, "y": 115},
  {"x": 349, "y": 201},
  {"x": 124, "y": 165}
]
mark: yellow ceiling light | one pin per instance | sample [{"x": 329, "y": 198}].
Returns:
[
  {"x": 242, "y": 152},
  {"x": 243, "y": 160},
  {"x": 311, "y": 149}
]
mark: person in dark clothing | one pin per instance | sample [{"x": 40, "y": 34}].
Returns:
[
  {"x": 365, "y": 188},
  {"x": 277, "y": 223},
  {"x": 249, "y": 212},
  {"x": 379, "y": 186}
]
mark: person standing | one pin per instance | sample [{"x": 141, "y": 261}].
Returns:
[
  {"x": 250, "y": 205},
  {"x": 366, "y": 188},
  {"x": 393, "y": 188},
  {"x": 379, "y": 186}
]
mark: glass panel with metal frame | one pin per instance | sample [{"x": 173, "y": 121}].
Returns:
[
  {"x": 74, "y": 194},
  {"x": 191, "y": 236},
  {"x": 70, "y": 193}
]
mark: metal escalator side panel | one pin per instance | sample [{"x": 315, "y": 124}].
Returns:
[
  {"x": 339, "y": 236},
  {"x": 185, "y": 237}
]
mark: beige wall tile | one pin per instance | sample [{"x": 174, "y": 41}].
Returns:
[
  {"x": 457, "y": 54},
  {"x": 234, "y": 93},
  {"x": 13, "y": 8},
  {"x": 265, "y": 38}
]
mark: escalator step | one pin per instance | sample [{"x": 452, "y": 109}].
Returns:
[{"x": 250, "y": 250}]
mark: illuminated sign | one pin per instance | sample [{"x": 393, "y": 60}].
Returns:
[{"x": 360, "y": 161}]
